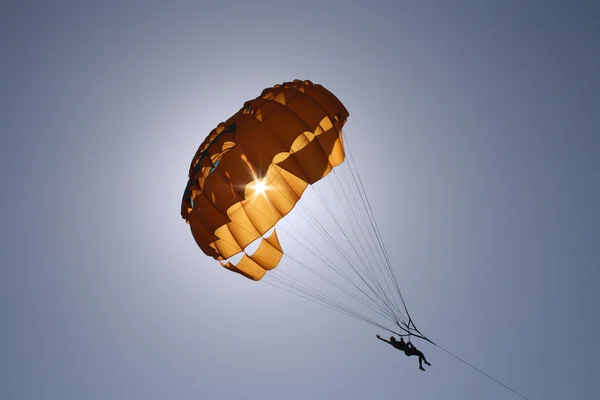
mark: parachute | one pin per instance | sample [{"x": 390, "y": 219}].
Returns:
[{"x": 252, "y": 170}]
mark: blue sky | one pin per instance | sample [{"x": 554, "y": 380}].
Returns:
[{"x": 476, "y": 122}]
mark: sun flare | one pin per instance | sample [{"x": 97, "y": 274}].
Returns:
[{"x": 260, "y": 187}]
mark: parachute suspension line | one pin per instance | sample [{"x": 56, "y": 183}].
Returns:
[
  {"x": 343, "y": 310},
  {"x": 368, "y": 267},
  {"x": 369, "y": 272},
  {"x": 301, "y": 287},
  {"x": 480, "y": 371},
  {"x": 366, "y": 320},
  {"x": 315, "y": 296},
  {"x": 337, "y": 270},
  {"x": 333, "y": 283},
  {"x": 326, "y": 261},
  {"x": 323, "y": 233},
  {"x": 332, "y": 266},
  {"x": 380, "y": 251},
  {"x": 367, "y": 205},
  {"x": 320, "y": 298},
  {"x": 310, "y": 298},
  {"x": 384, "y": 306},
  {"x": 347, "y": 197},
  {"x": 373, "y": 221},
  {"x": 316, "y": 224},
  {"x": 302, "y": 290},
  {"x": 322, "y": 257}
]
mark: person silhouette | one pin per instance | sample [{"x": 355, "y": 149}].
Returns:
[{"x": 408, "y": 348}]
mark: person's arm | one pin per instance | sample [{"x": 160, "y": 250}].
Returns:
[
  {"x": 409, "y": 344},
  {"x": 379, "y": 337}
]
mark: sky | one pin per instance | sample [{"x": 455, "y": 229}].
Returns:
[{"x": 476, "y": 125}]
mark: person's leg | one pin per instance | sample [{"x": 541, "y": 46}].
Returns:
[
  {"x": 421, "y": 358},
  {"x": 424, "y": 359},
  {"x": 420, "y": 362}
]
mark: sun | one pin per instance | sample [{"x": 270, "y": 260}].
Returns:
[{"x": 260, "y": 187}]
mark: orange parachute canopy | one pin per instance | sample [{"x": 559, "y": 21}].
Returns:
[{"x": 252, "y": 169}]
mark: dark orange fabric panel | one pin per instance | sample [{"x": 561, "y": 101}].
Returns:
[
  {"x": 236, "y": 170},
  {"x": 201, "y": 235},
  {"x": 328, "y": 101},
  {"x": 308, "y": 109},
  {"x": 220, "y": 191},
  {"x": 260, "y": 146},
  {"x": 207, "y": 214},
  {"x": 285, "y": 124},
  {"x": 313, "y": 159}
]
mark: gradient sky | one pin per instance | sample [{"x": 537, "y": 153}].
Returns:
[{"x": 477, "y": 124}]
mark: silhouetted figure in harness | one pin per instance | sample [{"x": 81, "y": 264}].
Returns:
[{"x": 408, "y": 348}]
